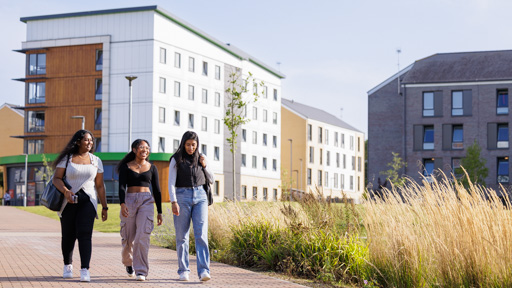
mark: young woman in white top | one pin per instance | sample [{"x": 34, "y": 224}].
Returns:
[{"x": 84, "y": 172}]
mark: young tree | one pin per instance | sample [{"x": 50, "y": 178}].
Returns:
[
  {"x": 392, "y": 174},
  {"x": 237, "y": 100},
  {"x": 474, "y": 166}
]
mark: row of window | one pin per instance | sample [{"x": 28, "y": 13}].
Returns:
[
  {"x": 502, "y": 165},
  {"x": 37, "y": 91},
  {"x": 339, "y": 141},
  {"x": 36, "y": 146},
  {"x": 324, "y": 180},
  {"x": 191, "y": 120},
  {"x": 461, "y": 104},
  {"x": 453, "y": 136},
  {"x": 36, "y": 120},
  {"x": 191, "y": 92},
  {"x": 36, "y": 63},
  {"x": 255, "y": 162},
  {"x": 255, "y": 193},
  {"x": 328, "y": 159},
  {"x": 255, "y": 138}
]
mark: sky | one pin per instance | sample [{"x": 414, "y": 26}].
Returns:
[{"x": 331, "y": 52}]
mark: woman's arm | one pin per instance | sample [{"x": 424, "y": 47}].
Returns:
[
  {"x": 157, "y": 194},
  {"x": 207, "y": 170},
  {"x": 173, "y": 173},
  {"x": 59, "y": 184},
  {"x": 100, "y": 189}
]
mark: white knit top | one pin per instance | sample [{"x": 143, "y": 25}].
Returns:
[{"x": 81, "y": 176}]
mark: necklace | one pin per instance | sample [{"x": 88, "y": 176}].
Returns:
[
  {"x": 138, "y": 165},
  {"x": 82, "y": 156}
]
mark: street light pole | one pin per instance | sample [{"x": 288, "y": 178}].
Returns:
[
  {"x": 291, "y": 181},
  {"x": 130, "y": 79},
  {"x": 26, "y": 175},
  {"x": 80, "y": 117}
]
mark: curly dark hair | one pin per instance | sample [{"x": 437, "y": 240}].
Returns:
[
  {"x": 72, "y": 147},
  {"x": 130, "y": 156}
]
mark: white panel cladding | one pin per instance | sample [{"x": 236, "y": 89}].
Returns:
[{"x": 121, "y": 26}]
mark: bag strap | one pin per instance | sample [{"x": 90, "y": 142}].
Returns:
[{"x": 67, "y": 162}]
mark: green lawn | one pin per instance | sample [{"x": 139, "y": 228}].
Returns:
[{"x": 109, "y": 226}]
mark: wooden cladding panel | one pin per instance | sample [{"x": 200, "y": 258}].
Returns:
[
  {"x": 163, "y": 175},
  {"x": 72, "y": 61},
  {"x": 75, "y": 91}
]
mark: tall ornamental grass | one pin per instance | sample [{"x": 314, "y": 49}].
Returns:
[{"x": 440, "y": 234}]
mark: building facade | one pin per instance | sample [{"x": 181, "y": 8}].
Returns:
[
  {"x": 77, "y": 65},
  {"x": 327, "y": 154},
  {"x": 446, "y": 102}
]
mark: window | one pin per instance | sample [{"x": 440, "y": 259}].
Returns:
[
  {"x": 265, "y": 92},
  {"x": 321, "y": 154},
  {"x": 204, "y": 123},
  {"x": 344, "y": 161},
  {"x": 428, "y": 104},
  {"x": 217, "y": 126},
  {"x": 37, "y": 64},
  {"x": 216, "y": 153},
  {"x": 190, "y": 92},
  {"x": 99, "y": 60},
  {"x": 342, "y": 181},
  {"x": 254, "y": 137},
  {"x": 326, "y": 137},
  {"x": 337, "y": 160},
  {"x": 97, "y": 118},
  {"x": 216, "y": 189},
  {"x": 428, "y": 138},
  {"x": 99, "y": 89},
  {"x": 274, "y": 141},
  {"x": 254, "y": 162},
  {"x": 244, "y": 135},
  {"x": 274, "y": 118},
  {"x": 275, "y": 94},
  {"x": 176, "y": 117},
  {"x": 217, "y": 72},
  {"x": 457, "y": 137},
  {"x": 311, "y": 154},
  {"x": 217, "y": 99},
  {"x": 255, "y": 113},
  {"x": 36, "y": 92},
  {"x": 35, "y": 146},
  {"x": 320, "y": 134},
  {"x": 175, "y": 144},
  {"x": 328, "y": 158},
  {"x": 161, "y": 144},
  {"x": 502, "y": 102},
  {"x": 503, "y": 176},
  {"x": 354, "y": 163},
  {"x": 336, "y": 139},
  {"x": 274, "y": 165},
  {"x": 205, "y": 96},
  {"x": 352, "y": 143},
  {"x": 177, "y": 89},
  {"x": 162, "y": 85},
  {"x": 264, "y": 163},
  {"x": 359, "y": 164},
  {"x": 264, "y": 139},
  {"x": 335, "y": 178},
  {"x": 254, "y": 193},
  {"x": 161, "y": 114},
  {"x": 308, "y": 176},
  {"x": 191, "y": 121},
  {"x": 177, "y": 60},
  {"x": 191, "y": 64},
  {"x": 428, "y": 165},
  {"x": 456, "y": 167},
  {"x": 275, "y": 193},
  {"x": 204, "y": 149},
  {"x": 342, "y": 140},
  {"x": 502, "y": 136},
  {"x": 310, "y": 133},
  {"x": 320, "y": 174},
  {"x": 265, "y": 115},
  {"x": 97, "y": 144},
  {"x": 326, "y": 179},
  {"x": 457, "y": 108},
  {"x": 244, "y": 192},
  {"x": 255, "y": 89},
  {"x": 265, "y": 194},
  {"x": 244, "y": 160},
  {"x": 35, "y": 121},
  {"x": 351, "y": 182},
  {"x": 163, "y": 55},
  {"x": 358, "y": 144},
  {"x": 205, "y": 68}
]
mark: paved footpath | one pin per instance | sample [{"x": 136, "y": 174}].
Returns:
[{"x": 30, "y": 256}]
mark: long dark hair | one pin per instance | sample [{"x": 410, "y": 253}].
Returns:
[
  {"x": 181, "y": 153},
  {"x": 72, "y": 146},
  {"x": 131, "y": 155}
]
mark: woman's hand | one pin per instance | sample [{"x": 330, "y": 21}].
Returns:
[
  {"x": 159, "y": 219},
  {"x": 202, "y": 160},
  {"x": 176, "y": 208},
  {"x": 124, "y": 210},
  {"x": 68, "y": 194},
  {"x": 104, "y": 215}
]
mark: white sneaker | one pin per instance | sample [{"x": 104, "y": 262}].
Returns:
[
  {"x": 205, "y": 276},
  {"x": 84, "y": 275},
  {"x": 68, "y": 271},
  {"x": 140, "y": 278},
  {"x": 184, "y": 276}
]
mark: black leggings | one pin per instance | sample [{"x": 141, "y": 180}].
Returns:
[{"x": 77, "y": 222}]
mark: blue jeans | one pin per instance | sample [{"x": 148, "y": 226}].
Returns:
[{"x": 193, "y": 204}]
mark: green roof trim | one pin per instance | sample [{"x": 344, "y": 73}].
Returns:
[{"x": 104, "y": 156}]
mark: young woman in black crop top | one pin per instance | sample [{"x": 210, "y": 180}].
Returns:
[{"x": 136, "y": 176}]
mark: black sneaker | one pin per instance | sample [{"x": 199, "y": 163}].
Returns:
[{"x": 129, "y": 270}]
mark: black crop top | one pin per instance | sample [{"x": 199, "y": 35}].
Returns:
[{"x": 130, "y": 178}]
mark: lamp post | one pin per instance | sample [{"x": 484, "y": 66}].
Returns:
[
  {"x": 297, "y": 178},
  {"x": 26, "y": 176},
  {"x": 80, "y": 117},
  {"x": 130, "y": 79},
  {"x": 291, "y": 181}
]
